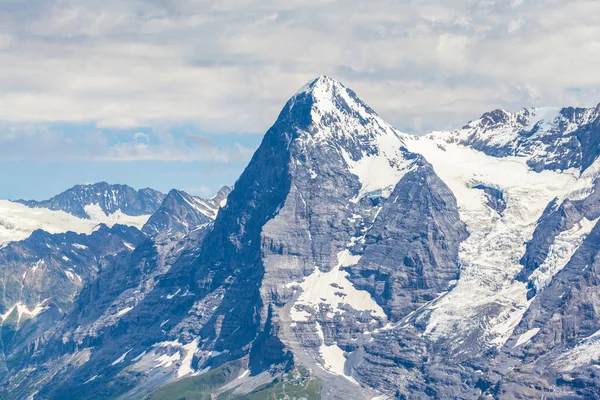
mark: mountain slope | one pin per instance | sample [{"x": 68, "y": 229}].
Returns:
[
  {"x": 334, "y": 164},
  {"x": 42, "y": 276},
  {"x": 65, "y": 288},
  {"x": 298, "y": 216},
  {"x": 181, "y": 212},
  {"x": 357, "y": 260}
]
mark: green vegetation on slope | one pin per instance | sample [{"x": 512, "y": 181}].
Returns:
[
  {"x": 199, "y": 387},
  {"x": 299, "y": 384}
]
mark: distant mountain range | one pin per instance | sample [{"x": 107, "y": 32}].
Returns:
[
  {"x": 349, "y": 261},
  {"x": 108, "y": 198}
]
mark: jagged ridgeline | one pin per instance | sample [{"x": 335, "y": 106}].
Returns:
[{"x": 350, "y": 261}]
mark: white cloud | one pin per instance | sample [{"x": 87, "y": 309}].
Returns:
[
  {"x": 41, "y": 142},
  {"x": 229, "y": 66},
  {"x": 141, "y": 137}
]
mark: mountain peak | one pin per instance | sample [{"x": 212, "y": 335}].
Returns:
[
  {"x": 328, "y": 94},
  {"x": 327, "y": 123},
  {"x": 325, "y": 107},
  {"x": 321, "y": 84}
]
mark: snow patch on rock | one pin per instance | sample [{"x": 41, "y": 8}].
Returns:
[
  {"x": 96, "y": 214},
  {"x": 186, "y": 363},
  {"x": 121, "y": 358},
  {"x": 526, "y": 337},
  {"x": 124, "y": 311},
  {"x": 327, "y": 287}
]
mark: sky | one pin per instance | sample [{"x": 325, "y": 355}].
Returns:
[{"x": 178, "y": 93}]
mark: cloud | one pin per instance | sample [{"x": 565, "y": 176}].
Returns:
[
  {"x": 75, "y": 142},
  {"x": 141, "y": 137},
  {"x": 203, "y": 191},
  {"x": 229, "y": 66}
]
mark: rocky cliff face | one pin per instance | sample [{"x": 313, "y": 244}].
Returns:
[
  {"x": 42, "y": 275},
  {"x": 65, "y": 293},
  {"x": 455, "y": 265}
]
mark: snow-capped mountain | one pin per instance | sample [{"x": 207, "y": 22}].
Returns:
[
  {"x": 549, "y": 138},
  {"x": 79, "y": 209},
  {"x": 78, "y": 274},
  {"x": 18, "y": 221},
  {"x": 350, "y": 260},
  {"x": 87, "y": 201},
  {"x": 83, "y": 207}
]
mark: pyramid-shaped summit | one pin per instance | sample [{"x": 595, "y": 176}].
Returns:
[
  {"x": 321, "y": 85},
  {"x": 324, "y": 110},
  {"x": 327, "y": 122},
  {"x": 329, "y": 100}
]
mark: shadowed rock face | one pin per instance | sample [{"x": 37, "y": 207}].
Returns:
[
  {"x": 110, "y": 199},
  {"x": 495, "y": 198},
  {"x": 334, "y": 251},
  {"x": 298, "y": 205},
  {"x": 410, "y": 253},
  {"x": 42, "y": 276},
  {"x": 306, "y": 197}
]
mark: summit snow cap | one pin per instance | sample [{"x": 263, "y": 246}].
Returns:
[
  {"x": 330, "y": 97},
  {"x": 326, "y": 114},
  {"x": 336, "y": 110}
]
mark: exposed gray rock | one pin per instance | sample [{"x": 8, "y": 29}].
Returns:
[
  {"x": 42, "y": 276},
  {"x": 495, "y": 197},
  {"x": 333, "y": 252},
  {"x": 410, "y": 253},
  {"x": 557, "y": 218},
  {"x": 560, "y": 359}
]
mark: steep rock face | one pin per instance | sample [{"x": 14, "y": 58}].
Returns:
[
  {"x": 123, "y": 329},
  {"x": 202, "y": 291},
  {"x": 554, "y": 350},
  {"x": 514, "y": 282},
  {"x": 108, "y": 198},
  {"x": 182, "y": 212},
  {"x": 455, "y": 265},
  {"x": 561, "y": 229},
  {"x": 42, "y": 275},
  {"x": 311, "y": 193},
  {"x": 410, "y": 254},
  {"x": 104, "y": 281},
  {"x": 39, "y": 267}
]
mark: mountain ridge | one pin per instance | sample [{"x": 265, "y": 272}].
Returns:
[
  {"x": 550, "y": 137},
  {"x": 107, "y": 197},
  {"x": 386, "y": 265}
]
